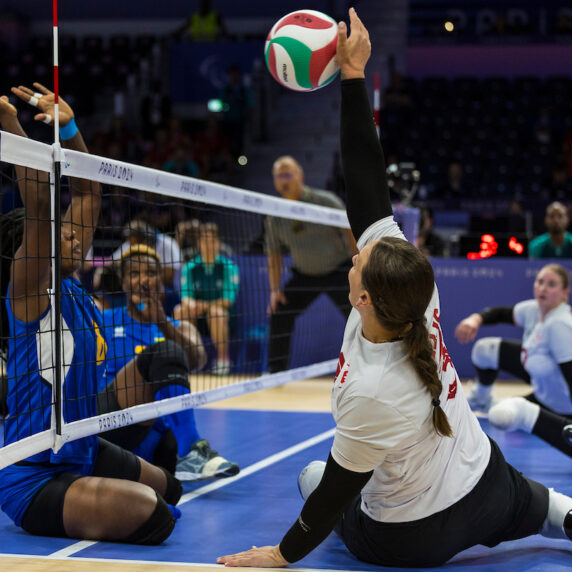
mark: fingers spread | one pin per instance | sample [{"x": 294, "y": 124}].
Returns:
[{"x": 41, "y": 88}]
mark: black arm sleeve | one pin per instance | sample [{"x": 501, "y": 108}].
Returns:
[
  {"x": 362, "y": 160},
  {"x": 566, "y": 369},
  {"x": 322, "y": 510},
  {"x": 497, "y": 315}
]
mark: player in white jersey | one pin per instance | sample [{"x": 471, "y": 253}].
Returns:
[
  {"x": 411, "y": 479},
  {"x": 543, "y": 359}
]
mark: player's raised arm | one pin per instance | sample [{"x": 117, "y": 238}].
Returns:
[
  {"x": 30, "y": 271},
  {"x": 83, "y": 210},
  {"x": 362, "y": 156}
]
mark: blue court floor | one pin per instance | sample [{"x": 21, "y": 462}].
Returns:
[{"x": 259, "y": 505}]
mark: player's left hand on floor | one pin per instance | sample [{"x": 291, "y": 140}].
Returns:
[{"x": 263, "y": 557}]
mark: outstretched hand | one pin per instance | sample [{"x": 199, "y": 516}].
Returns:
[
  {"x": 6, "y": 108},
  {"x": 43, "y": 99},
  {"x": 353, "y": 51},
  {"x": 262, "y": 557}
]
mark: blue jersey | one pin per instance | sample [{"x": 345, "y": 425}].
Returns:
[
  {"x": 30, "y": 380},
  {"x": 127, "y": 338}
]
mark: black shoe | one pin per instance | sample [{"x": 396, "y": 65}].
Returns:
[
  {"x": 567, "y": 435},
  {"x": 568, "y": 525}
]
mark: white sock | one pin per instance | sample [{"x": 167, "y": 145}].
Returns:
[
  {"x": 558, "y": 507},
  {"x": 310, "y": 477},
  {"x": 513, "y": 414}
]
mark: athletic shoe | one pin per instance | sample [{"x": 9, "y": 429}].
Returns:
[
  {"x": 221, "y": 368},
  {"x": 204, "y": 463},
  {"x": 567, "y": 526},
  {"x": 477, "y": 402},
  {"x": 310, "y": 477},
  {"x": 567, "y": 435}
]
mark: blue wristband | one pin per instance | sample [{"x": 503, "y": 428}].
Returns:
[{"x": 68, "y": 131}]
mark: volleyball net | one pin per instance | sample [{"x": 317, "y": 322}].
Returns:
[{"x": 170, "y": 217}]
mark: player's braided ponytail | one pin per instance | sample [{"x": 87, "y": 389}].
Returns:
[{"x": 400, "y": 282}]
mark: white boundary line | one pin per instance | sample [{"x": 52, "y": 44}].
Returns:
[{"x": 78, "y": 546}]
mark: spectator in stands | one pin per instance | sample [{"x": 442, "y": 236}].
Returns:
[
  {"x": 238, "y": 104},
  {"x": 187, "y": 237},
  {"x": 321, "y": 257},
  {"x": 543, "y": 359},
  {"x": 213, "y": 152},
  {"x": 563, "y": 22},
  {"x": 181, "y": 162},
  {"x": 89, "y": 489},
  {"x": 454, "y": 185},
  {"x": 150, "y": 358},
  {"x": 155, "y": 110},
  {"x": 428, "y": 241},
  {"x": 557, "y": 242},
  {"x": 209, "y": 286},
  {"x": 396, "y": 94},
  {"x": 516, "y": 216},
  {"x": 204, "y": 25},
  {"x": 137, "y": 231}
]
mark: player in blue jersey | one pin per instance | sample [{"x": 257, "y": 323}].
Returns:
[
  {"x": 151, "y": 357},
  {"x": 90, "y": 488}
]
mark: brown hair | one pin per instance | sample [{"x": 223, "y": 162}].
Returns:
[
  {"x": 400, "y": 282},
  {"x": 561, "y": 271}
]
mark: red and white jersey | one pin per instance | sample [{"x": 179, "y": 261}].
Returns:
[
  {"x": 383, "y": 414},
  {"x": 545, "y": 344}
]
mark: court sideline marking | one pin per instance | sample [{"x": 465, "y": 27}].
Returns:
[{"x": 258, "y": 466}]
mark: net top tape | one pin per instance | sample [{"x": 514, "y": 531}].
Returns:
[{"x": 28, "y": 153}]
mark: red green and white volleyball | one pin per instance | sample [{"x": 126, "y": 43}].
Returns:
[{"x": 300, "y": 50}]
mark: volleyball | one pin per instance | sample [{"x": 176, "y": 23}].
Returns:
[{"x": 300, "y": 50}]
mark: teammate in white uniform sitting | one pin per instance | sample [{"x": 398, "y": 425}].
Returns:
[
  {"x": 543, "y": 359},
  {"x": 411, "y": 479}
]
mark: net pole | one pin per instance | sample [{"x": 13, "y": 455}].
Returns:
[
  {"x": 55, "y": 190},
  {"x": 56, "y": 73}
]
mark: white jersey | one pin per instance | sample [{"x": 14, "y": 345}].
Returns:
[
  {"x": 383, "y": 414},
  {"x": 545, "y": 344}
]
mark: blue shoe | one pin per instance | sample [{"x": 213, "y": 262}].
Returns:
[{"x": 204, "y": 463}]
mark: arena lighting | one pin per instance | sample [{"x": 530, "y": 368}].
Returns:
[{"x": 449, "y": 26}]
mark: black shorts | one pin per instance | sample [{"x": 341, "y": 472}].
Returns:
[
  {"x": 45, "y": 515},
  {"x": 504, "y": 505}
]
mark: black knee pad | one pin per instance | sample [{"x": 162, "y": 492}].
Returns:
[
  {"x": 174, "y": 489},
  {"x": 165, "y": 455},
  {"x": 162, "y": 364},
  {"x": 156, "y": 529}
]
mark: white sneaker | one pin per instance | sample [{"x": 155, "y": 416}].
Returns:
[
  {"x": 203, "y": 463},
  {"x": 310, "y": 477},
  {"x": 221, "y": 367}
]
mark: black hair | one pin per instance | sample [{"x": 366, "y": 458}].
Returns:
[{"x": 11, "y": 234}]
